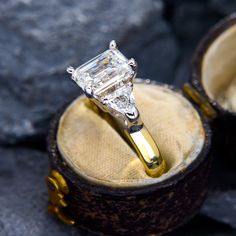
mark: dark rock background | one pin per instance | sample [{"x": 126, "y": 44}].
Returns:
[{"x": 38, "y": 40}]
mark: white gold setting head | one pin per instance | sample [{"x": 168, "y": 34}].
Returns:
[{"x": 108, "y": 79}]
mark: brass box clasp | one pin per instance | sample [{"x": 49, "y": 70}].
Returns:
[
  {"x": 58, "y": 188},
  {"x": 204, "y": 105}
]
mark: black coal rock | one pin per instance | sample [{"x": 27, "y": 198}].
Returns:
[
  {"x": 24, "y": 197},
  {"x": 154, "y": 47},
  {"x": 223, "y": 7},
  {"x": 190, "y": 21},
  {"x": 204, "y": 226},
  {"x": 221, "y": 206}
]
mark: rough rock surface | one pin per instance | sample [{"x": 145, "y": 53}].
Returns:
[
  {"x": 221, "y": 206},
  {"x": 24, "y": 196},
  {"x": 223, "y": 6},
  {"x": 190, "y": 20}
]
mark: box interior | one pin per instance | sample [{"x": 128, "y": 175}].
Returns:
[
  {"x": 96, "y": 152},
  {"x": 218, "y": 70}
]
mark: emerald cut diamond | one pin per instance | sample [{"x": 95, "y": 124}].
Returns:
[
  {"x": 104, "y": 73},
  {"x": 108, "y": 78}
]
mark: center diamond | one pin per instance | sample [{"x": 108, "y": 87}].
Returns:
[
  {"x": 108, "y": 77},
  {"x": 104, "y": 73}
]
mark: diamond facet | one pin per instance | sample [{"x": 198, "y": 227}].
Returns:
[
  {"x": 108, "y": 77},
  {"x": 122, "y": 99},
  {"x": 104, "y": 72}
]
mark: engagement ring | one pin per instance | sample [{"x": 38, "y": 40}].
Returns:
[{"x": 107, "y": 80}]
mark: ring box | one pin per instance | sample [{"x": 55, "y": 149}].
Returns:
[
  {"x": 214, "y": 77},
  {"x": 108, "y": 190},
  {"x": 97, "y": 183}
]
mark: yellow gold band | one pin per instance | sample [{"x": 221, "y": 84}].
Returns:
[
  {"x": 139, "y": 140},
  {"x": 147, "y": 151}
]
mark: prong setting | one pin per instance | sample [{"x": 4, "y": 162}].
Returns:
[
  {"x": 133, "y": 64},
  {"x": 132, "y": 115},
  {"x": 112, "y": 45},
  {"x": 70, "y": 69},
  {"x": 88, "y": 91},
  {"x": 105, "y": 101}
]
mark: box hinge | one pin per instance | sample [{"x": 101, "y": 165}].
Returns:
[
  {"x": 58, "y": 189},
  {"x": 204, "y": 105}
]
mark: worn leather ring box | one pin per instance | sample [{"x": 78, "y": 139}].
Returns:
[
  {"x": 98, "y": 184},
  {"x": 214, "y": 77}
]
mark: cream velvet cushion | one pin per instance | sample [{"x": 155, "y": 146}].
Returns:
[
  {"x": 96, "y": 152},
  {"x": 219, "y": 70}
]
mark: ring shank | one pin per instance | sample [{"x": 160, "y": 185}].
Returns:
[
  {"x": 147, "y": 150},
  {"x": 140, "y": 141}
]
